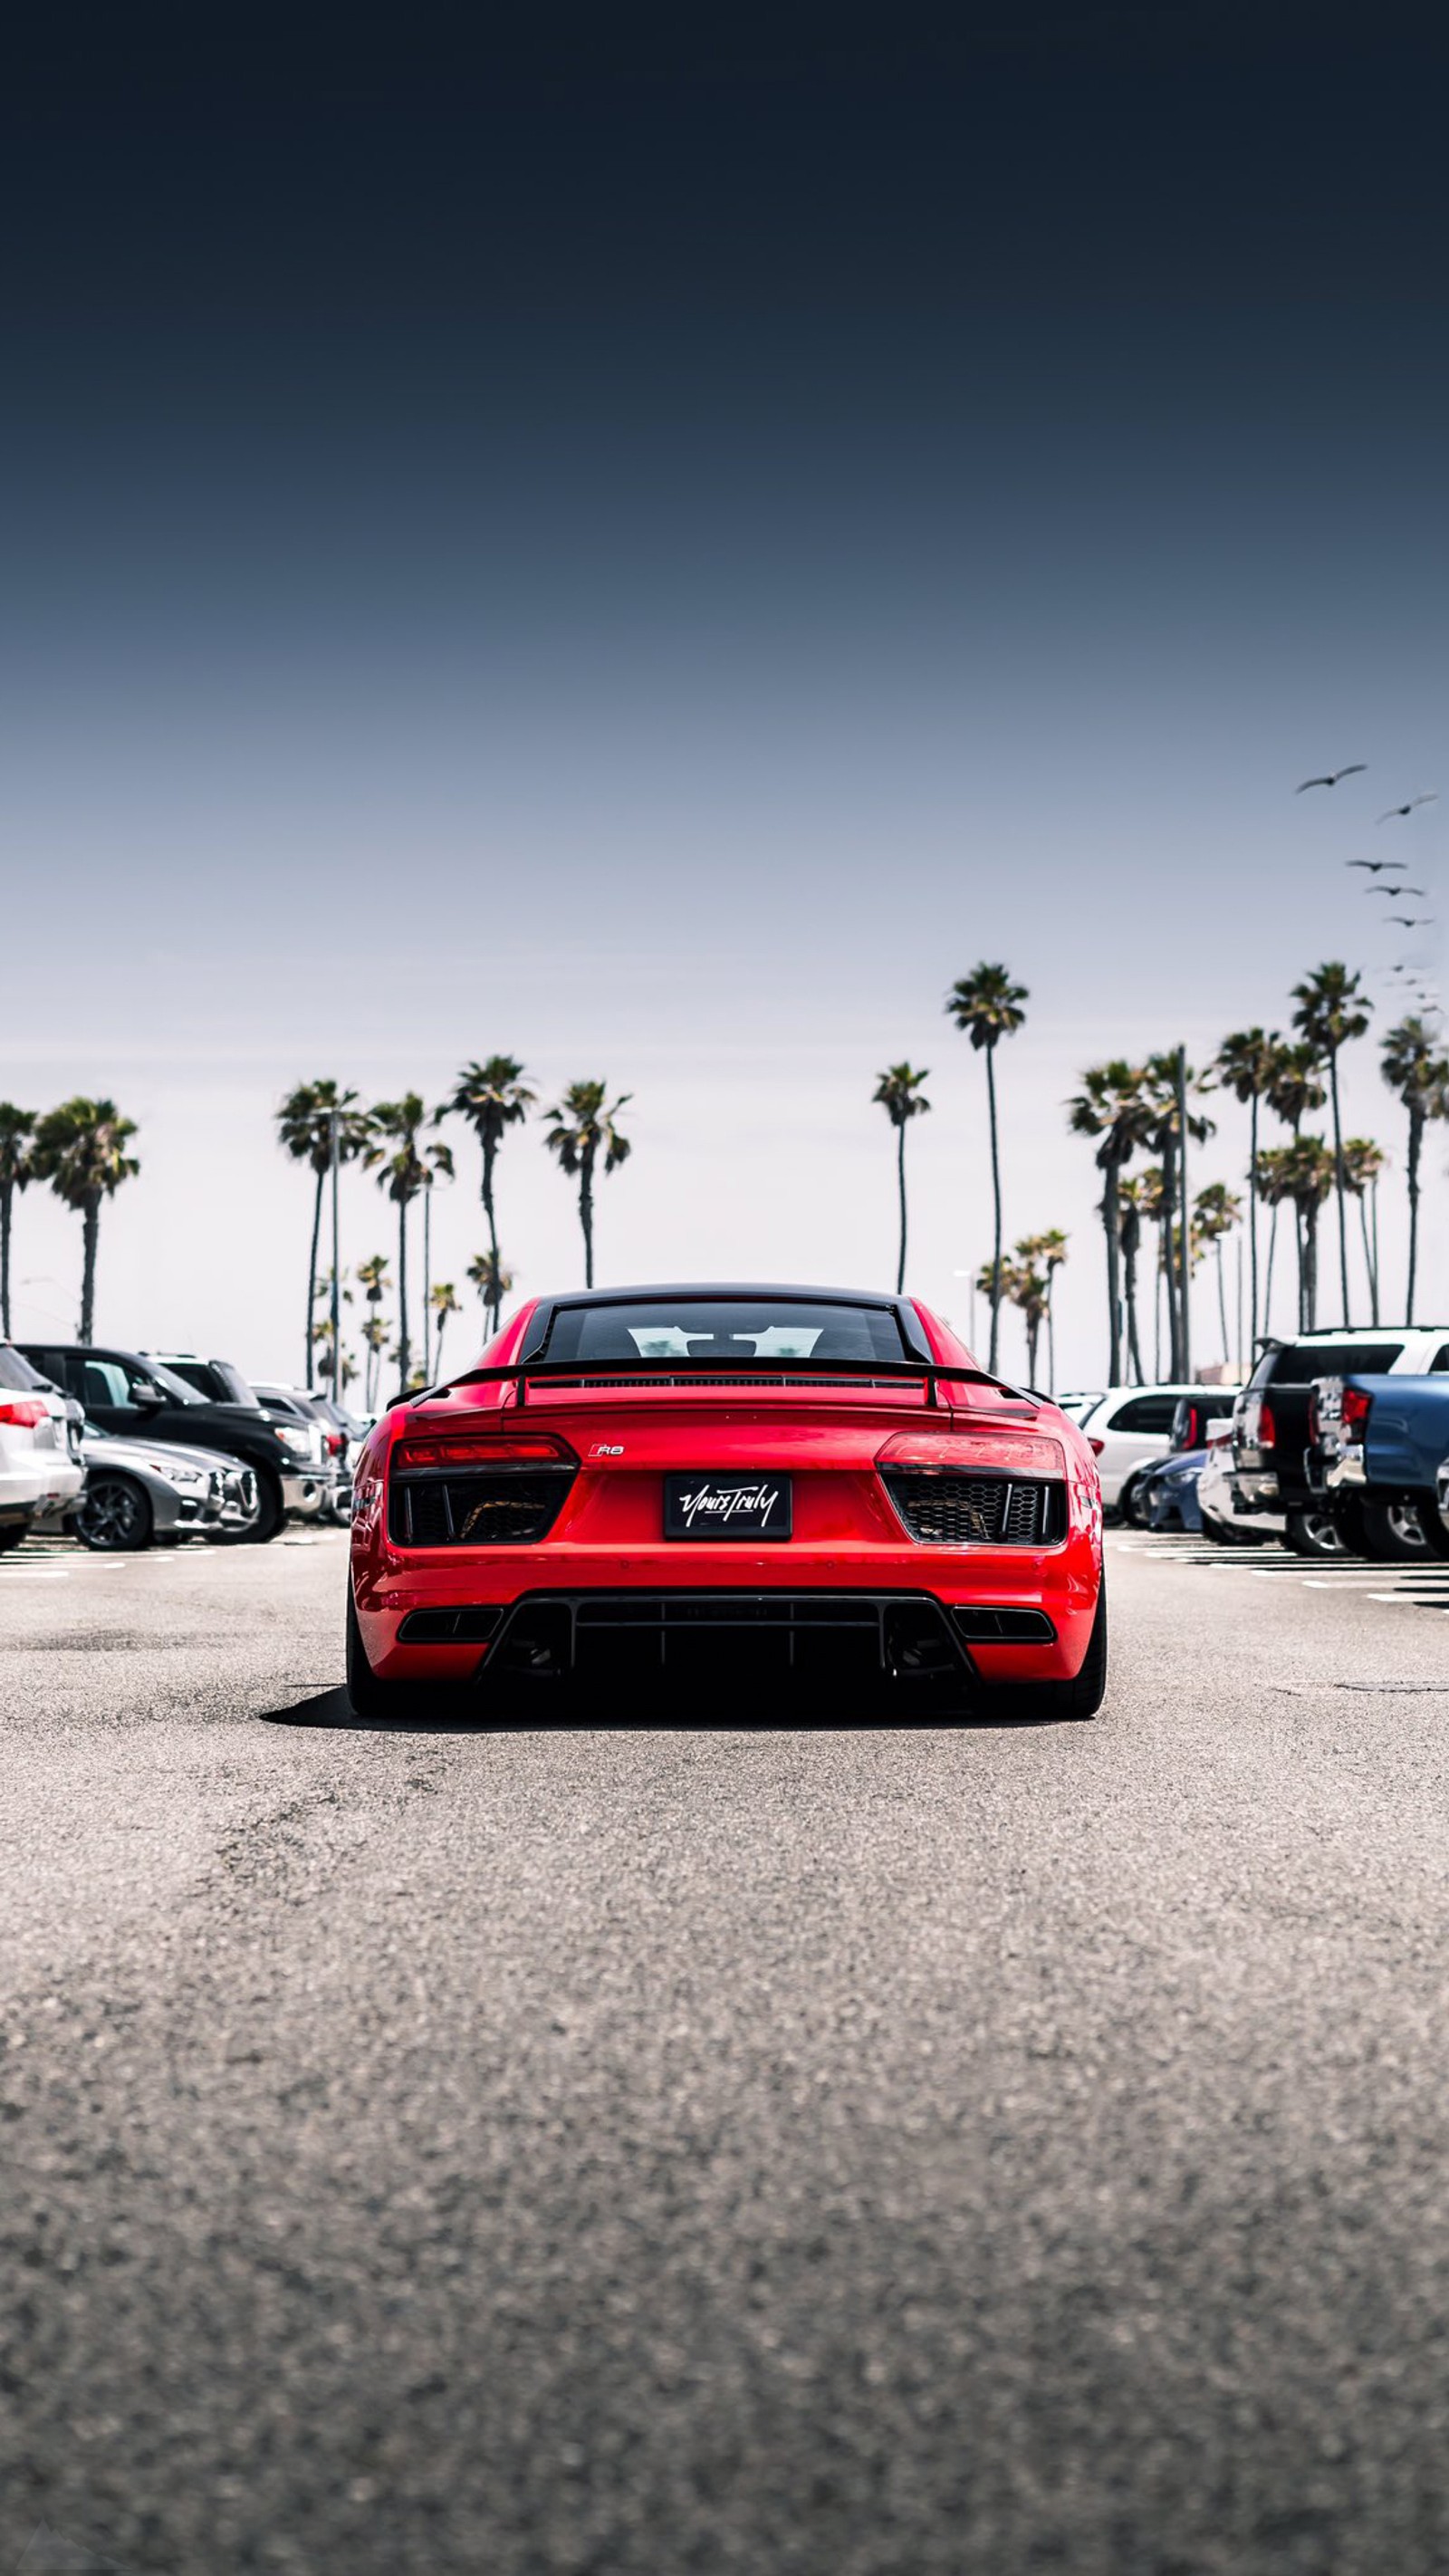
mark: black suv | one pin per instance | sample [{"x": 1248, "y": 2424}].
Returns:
[{"x": 127, "y": 1394}]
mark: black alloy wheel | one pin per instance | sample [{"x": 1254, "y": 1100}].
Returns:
[
  {"x": 115, "y": 1516},
  {"x": 263, "y": 1525},
  {"x": 1400, "y": 1533},
  {"x": 1315, "y": 1534}
]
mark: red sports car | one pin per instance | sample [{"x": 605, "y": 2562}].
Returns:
[{"x": 688, "y": 1486}]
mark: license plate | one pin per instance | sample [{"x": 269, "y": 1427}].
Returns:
[{"x": 727, "y": 1506}]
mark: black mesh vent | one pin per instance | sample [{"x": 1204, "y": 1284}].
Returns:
[
  {"x": 501, "y": 1507},
  {"x": 956, "y": 1511},
  {"x": 1006, "y": 1627}
]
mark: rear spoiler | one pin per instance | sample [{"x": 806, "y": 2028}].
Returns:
[{"x": 674, "y": 1373}]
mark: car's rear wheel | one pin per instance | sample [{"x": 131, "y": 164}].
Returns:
[
  {"x": 1396, "y": 1533},
  {"x": 1079, "y": 1698},
  {"x": 115, "y": 1516},
  {"x": 1315, "y": 1534},
  {"x": 371, "y": 1698}
]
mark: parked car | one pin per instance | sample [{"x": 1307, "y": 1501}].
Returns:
[
  {"x": 1271, "y": 1437},
  {"x": 126, "y": 1394},
  {"x": 40, "y": 1463},
  {"x": 294, "y": 1404},
  {"x": 1376, "y": 1444},
  {"x": 141, "y": 1494},
  {"x": 220, "y": 1381},
  {"x": 1190, "y": 1423},
  {"x": 1169, "y": 1493},
  {"x": 1130, "y": 1425},
  {"x": 1226, "y": 1518}
]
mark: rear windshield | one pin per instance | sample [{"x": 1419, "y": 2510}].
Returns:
[
  {"x": 1303, "y": 1361},
  {"x": 16, "y": 1372},
  {"x": 700, "y": 1329}
]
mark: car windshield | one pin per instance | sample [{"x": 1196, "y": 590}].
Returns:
[
  {"x": 694, "y": 1331},
  {"x": 172, "y": 1385}
]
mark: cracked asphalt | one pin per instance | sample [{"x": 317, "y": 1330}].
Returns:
[{"x": 620, "y": 2152}]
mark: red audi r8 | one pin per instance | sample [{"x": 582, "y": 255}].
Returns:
[{"x": 679, "y": 1486}]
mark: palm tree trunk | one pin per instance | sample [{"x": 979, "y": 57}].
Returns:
[
  {"x": 1222, "y": 1301},
  {"x": 1416, "y": 1140},
  {"x": 427, "y": 1285},
  {"x": 1310, "y": 1269},
  {"x": 1169, "y": 1213},
  {"x": 1252, "y": 1226},
  {"x": 404, "y": 1354},
  {"x": 586, "y": 1214},
  {"x": 901, "y": 1260},
  {"x": 996, "y": 1207},
  {"x": 1033, "y": 1335},
  {"x": 90, "y": 1232},
  {"x": 1368, "y": 1257},
  {"x": 490, "y": 1305},
  {"x": 1268, "y": 1281},
  {"x": 7, "y": 1196},
  {"x": 1342, "y": 1193},
  {"x": 312, "y": 1275},
  {"x": 1375, "y": 1316},
  {"x": 1114, "y": 1300},
  {"x": 1129, "y": 1292},
  {"x": 1051, "y": 1322}
]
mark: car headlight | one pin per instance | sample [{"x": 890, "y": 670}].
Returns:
[
  {"x": 299, "y": 1442},
  {"x": 176, "y": 1475}
]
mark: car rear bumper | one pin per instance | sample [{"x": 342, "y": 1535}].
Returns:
[{"x": 609, "y": 1608}]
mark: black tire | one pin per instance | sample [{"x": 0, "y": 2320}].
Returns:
[
  {"x": 1130, "y": 1502},
  {"x": 1222, "y": 1533},
  {"x": 377, "y": 1701},
  {"x": 114, "y": 1517},
  {"x": 1397, "y": 1534},
  {"x": 1077, "y": 1699},
  {"x": 1315, "y": 1534},
  {"x": 270, "y": 1514},
  {"x": 12, "y": 1536}
]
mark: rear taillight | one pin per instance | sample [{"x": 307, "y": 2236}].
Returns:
[
  {"x": 1267, "y": 1428},
  {"x": 1356, "y": 1408},
  {"x": 1097, "y": 1447},
  {"x": 26, "y": 1412},
  {"x": 483, "y": 1449},
  {"x": 336, "y": 1443},
  {"x": 1313, "y": 1422}
]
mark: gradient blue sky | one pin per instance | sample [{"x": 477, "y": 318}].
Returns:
[{"x": 659, "y": 555}]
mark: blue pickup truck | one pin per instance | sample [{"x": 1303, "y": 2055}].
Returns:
[{"x": 1377, "y": 1446}]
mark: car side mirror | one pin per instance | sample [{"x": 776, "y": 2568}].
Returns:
[{"x": 146, "y": 1392}]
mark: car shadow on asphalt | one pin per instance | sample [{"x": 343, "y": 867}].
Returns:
[{"x": 461, "y": 1715}]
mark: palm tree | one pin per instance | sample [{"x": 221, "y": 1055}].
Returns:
[
  {"x": 899, "y": 1092},
  {"x": 1135, "y": 1199},
  {"x": 1363, "y": 1162},
  {"x": 1333, "y": 1009},
  {"x": 1244, "y": 1066},
  {"x": 1111, "y": 1107},
  {"x": 444, "y": 1303},
  {"x": 1050, "y": 1249},
  {"x": 579, "y": 1129},
  {"x": 17, "y": 1131},
  {"x": 493, "y": 1283},
  {"x": 1272, "y": 1190},
  {"x": 988, "y": 1006},
  {"x": 1308, "y": 1174},
  {"x": 304, "y": 1130},
  {"x": 374, "y": 1339},
  {"x": 1294, "y": 1091},
  {"x": 493, "y": 1097},
  {"x": 1160, "y": 1078},
  {"x": 1216, "y": 1210},
  {"x": 1030, "y": 1289},
  {"x": 403, "y": 1171},
  {"x": 80, "y": 1149},
  {"x": 1420, "y": 1077}
]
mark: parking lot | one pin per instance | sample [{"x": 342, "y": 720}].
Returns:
[{"x": 954, "y": 2148}]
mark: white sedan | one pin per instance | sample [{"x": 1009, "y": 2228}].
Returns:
[
  {"x": 1132, "y": 1423},
  {"x": 38, "y": 1466}
]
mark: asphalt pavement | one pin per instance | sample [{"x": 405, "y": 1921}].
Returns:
[{"x": 619, "y": 2152}]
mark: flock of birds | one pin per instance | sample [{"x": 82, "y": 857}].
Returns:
[{"x": 1396, "y": 885}]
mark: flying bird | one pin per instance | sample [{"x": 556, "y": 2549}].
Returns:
[
  {"x": 1376, "y": 867},
  {"x": 1333, "y": 776},
  {"x": 1431, "y": 799},
  {"x": 1411, "y": 920},
  {"x": 1398, "y": 889}
]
